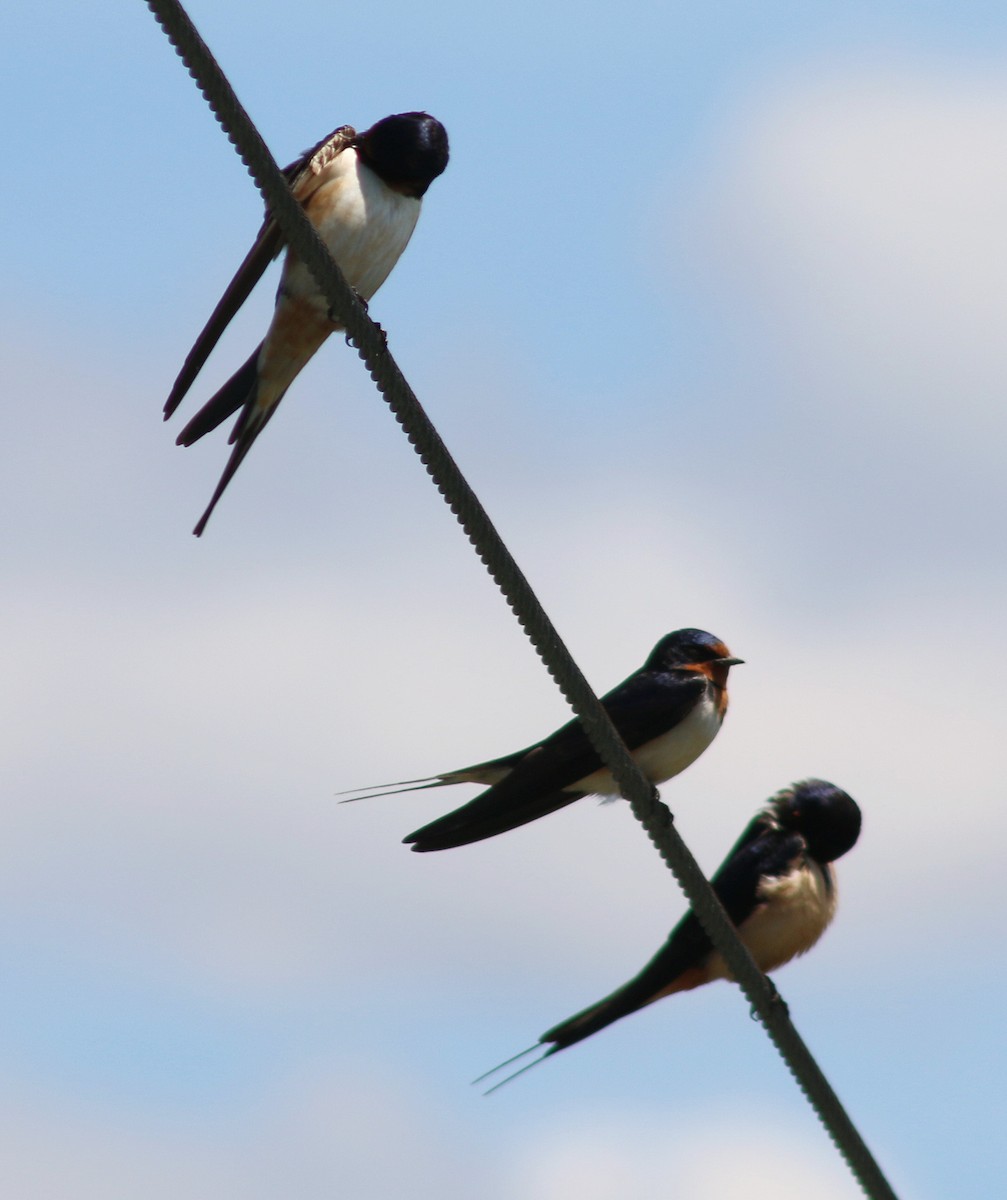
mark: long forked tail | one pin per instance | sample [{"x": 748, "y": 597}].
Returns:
[
  {"x": 560, "y": 1037},
  {"x": 514, "y": 1074},
  {"x": 485, "y": 774},
  {"x": 567, "y": 1033},
  {"x": 236, "y": 393},
  {"x": 395, "y": 789},
  {"x": 250, "y": 424}
]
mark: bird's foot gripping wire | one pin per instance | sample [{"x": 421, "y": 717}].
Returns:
[{"x": 776, "y": 1001}]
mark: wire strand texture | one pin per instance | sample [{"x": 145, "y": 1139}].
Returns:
[{"x": 371, "y": 345}]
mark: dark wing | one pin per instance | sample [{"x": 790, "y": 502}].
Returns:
[
  {"x": 642, "y": 708},
  {"x": 650, "y": 703},
  {"x": 493, "y": 812},
  {"x": 236, "y": 393},
  {"x": 303, "y": 177},
  {"x": 759, "y": 852}
]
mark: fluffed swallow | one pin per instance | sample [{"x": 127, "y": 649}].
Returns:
[
  {"x": 362, "y": 192},
  {"x": 779, "y": 889},
  {"x": 667, "y": 713}
]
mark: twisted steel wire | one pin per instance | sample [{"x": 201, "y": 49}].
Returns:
[{"x": 371, "y": 345}]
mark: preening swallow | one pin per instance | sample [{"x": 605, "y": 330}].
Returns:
[
  {"x": 667, "y": 713},
  {"x": 362, "y": 192},
  {"x": 778, "y": 887}
]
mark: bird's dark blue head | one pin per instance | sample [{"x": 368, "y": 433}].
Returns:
[
  {"x": 824, "y": 815},
  {"x": 689, "y": 648},
  {"x": 408, "y": 151}
]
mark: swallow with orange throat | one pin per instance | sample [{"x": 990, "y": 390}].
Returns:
[
  {"x": 362, "y": 192},
  {"x": 667, "y": 713},
  {"x": 778, "y": 886}
]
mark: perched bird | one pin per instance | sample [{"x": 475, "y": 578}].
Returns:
[
  {"x": 778, "y": 887},
  {"x": 362, "y": 192},
  {"x": 667, "y": 713}
]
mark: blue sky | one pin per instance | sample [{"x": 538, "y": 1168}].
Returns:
[{"x": 709, "y": 306}]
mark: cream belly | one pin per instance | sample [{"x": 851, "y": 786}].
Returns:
[
  {"x": 795, "y": 911},
  {"x": 668, "y": 754},
  {"x": 365, "y": 225}
]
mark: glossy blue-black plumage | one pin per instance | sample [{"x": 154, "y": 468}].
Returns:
[
  {"x": 539, "y": 779},
  {"x": 810, "y": 822},
  {"x": 801, "y": 830}
]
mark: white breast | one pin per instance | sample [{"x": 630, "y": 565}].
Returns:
[
  {"x": 668, "y": 754},
  {"x": 794, "y": 912},
  {"x": 363, "y": 222}
]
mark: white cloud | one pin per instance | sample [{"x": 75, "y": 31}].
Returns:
[
  {"x": 744, "y": 1157},
  {"x": 856, "y": 220},
  {"x": 206, "y": 745},
  {"x": 179, "y": 715},
  {"x": 355, "y": 1128}
]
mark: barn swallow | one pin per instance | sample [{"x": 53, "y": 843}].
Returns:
[
  {"x": 667, "y": 713},
  {"x": 362, "y": 192},
  {"x": 779, "y": 889}
]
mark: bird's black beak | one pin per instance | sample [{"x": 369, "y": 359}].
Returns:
[{"x": 729, "y": 662}]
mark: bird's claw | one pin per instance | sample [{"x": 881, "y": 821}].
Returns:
[{"x": 776, "y": 1002}]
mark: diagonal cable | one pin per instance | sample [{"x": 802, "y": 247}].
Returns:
[{"x": 643, "y": 798}]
